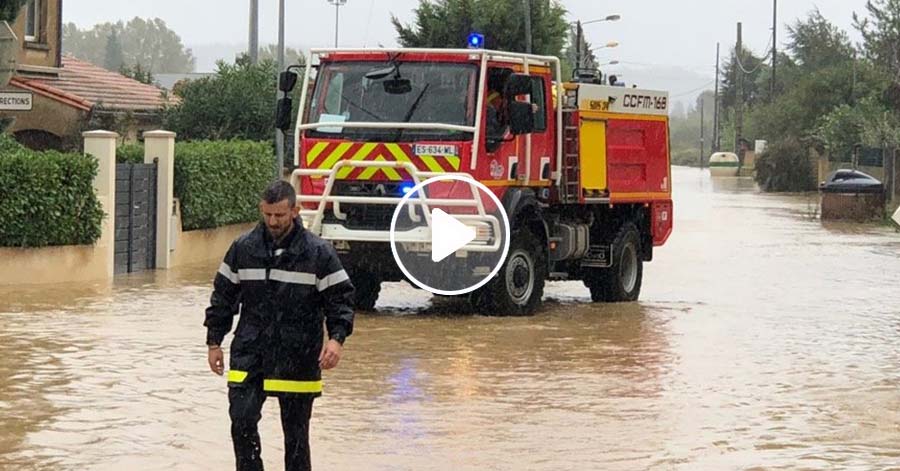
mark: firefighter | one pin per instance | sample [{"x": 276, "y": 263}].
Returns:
[
  {"x": 496, "y": 109},
  {"x": 286, "y": 282}
]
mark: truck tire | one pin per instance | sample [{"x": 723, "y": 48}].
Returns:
[
  {"x": 368, "y": 287},
  {"x": 519, "y": 285},
  {"x": 622, "y": 281}
]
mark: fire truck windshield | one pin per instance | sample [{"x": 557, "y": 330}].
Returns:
[{"x": 403, "y": 92}]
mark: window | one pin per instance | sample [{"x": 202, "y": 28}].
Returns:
[
  {"x": 538, "y": 98},
  {"x": 33, "y": 20},
  {"x": 424, "y": 92}
]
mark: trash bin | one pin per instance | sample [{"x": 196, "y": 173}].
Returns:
[{"x": 851, "y": 194}]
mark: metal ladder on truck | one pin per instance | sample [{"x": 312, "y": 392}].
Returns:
[{"x": 571, "y": 171}]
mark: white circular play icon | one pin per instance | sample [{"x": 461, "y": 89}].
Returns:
[{"x": 450, "y": 235}]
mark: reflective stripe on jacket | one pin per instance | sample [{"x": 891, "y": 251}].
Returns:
[{"x": 284, "y": 295}]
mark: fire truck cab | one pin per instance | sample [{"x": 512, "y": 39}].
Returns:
[{"x": 582, "y": 169}]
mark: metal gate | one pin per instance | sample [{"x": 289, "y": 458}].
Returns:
[{"x": 135, "y": 218}]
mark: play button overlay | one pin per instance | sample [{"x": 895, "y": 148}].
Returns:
[{"x": 450, "y": 235}]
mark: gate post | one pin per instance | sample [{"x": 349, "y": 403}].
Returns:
[
  {"x": 102, "y": 145},
  {"x": 159, "y": 147}
]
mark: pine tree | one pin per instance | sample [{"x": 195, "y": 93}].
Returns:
[{"x": 115, "y": 58}]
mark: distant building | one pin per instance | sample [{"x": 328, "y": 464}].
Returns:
[{"x": 54, "y": 97}]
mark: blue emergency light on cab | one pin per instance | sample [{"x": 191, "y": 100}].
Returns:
[{"x": 476, "y": 41}]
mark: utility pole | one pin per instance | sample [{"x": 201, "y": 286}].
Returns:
[
  {"x": 702, "y": 131},
  {"x": 715, "y": 136},
  {"x": 253, "y": 46},
  {"x": 739, "y": 101},
  {"x": 578, "y": 35},
  {"x": 774, "y": 46},
  {"x": 280, "y": 35},
  {"x": 279, "y": 134},
  {"x": 527, "y": 4}
]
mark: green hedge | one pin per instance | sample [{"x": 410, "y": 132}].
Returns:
[
  {"x": 219, "y": 182},
  {"x": 47, "y": 198},
  {"x": 130, "y": 154}
]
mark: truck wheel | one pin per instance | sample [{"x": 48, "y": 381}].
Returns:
[
  {"x": 621, "y": 282},
  {"x": 368, "y": 287},
  {"x": 519, "y": 285}
]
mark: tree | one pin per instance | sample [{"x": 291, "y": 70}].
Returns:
[
  {"x": 236, "y": 103},
  {"x": 10, "y": 9},
  {"x": 447, "y": 23},
  {"x": 815, "y": 43},
  {"x": 139, "y": 73},
  {"x": 291, "y": 55},
  {"x": 114, "y": 59},
  {"x": 881, "y": 34},
  {"x": 753, "y": 69},
  {"x": 147, "y": 42}
]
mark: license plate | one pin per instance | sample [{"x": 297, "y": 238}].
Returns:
[{"x": 436, "y": 150}]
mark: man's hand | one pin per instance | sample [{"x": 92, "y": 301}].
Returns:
[
  {"x": 216, "y": 360},
  {"x": 331, "y": 355}
]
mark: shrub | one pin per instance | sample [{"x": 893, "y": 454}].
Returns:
[
  {"x": 236, "y": 103},
  {"x": 130, "y": 154},
  {"x": 47, "y": 198},
  {"x": 219, "y": 182},
  {"x": 785, "y": 166},
  {"x": 9, "y": 145}
]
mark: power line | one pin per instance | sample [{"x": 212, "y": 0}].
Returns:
[{"x": 762, "y": 60}]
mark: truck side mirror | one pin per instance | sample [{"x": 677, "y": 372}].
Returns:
[
  {"x": 521, "y": 118},
  {"x": 283, "y": 113},
  {"x": 287, "y": 80},
  {"x": 518, "y": 84}
]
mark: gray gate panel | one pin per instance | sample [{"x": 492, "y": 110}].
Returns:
[{"x": 135, "y": 217}]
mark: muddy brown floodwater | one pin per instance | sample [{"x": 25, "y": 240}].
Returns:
[{"x": 763, "y": 340}]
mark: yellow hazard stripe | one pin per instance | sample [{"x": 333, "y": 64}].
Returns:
[
  {"x": 390, "y": 173},
  {"x": 338, "y": 153},
  {"x": 431, "y": 163},
  {"x": 397, "y": 152},
  {"x": 365, "y": 153},
  {"x": 315, "y": 152},
  {"x": 361, "y": 154},
  {"x": 283, "y": 385},
  {"x": 236, "y": 376}
]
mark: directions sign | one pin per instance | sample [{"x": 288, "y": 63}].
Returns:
[{"x": 14, "y": 101}]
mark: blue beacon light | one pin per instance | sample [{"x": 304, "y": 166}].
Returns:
[{"x": 476, "y": 41}]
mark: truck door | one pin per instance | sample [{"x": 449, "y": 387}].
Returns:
[
  {"x": 507, "y": 156},
  {"x": 542, "y": 140}
]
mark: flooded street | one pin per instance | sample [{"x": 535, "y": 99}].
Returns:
[{"x": 763, "y": 340}]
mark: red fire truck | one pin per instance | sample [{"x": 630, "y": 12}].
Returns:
[{"x": 582, "y": 168}]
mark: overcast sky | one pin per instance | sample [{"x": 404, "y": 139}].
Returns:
[{"x": 675, "y": 38}]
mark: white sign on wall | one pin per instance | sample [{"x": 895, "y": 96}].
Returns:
[{"x": 16, "y": 101}]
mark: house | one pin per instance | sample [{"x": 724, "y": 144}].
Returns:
[{"x": 54, "y": 97}]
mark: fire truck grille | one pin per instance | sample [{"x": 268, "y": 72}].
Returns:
[{"x": 369, "y": 217}]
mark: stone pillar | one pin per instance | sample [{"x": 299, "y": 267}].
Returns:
[
  {"x": 159, "y": 147},
  {"x": 102, "y": 145}
]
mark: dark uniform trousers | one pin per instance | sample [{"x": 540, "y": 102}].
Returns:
[{"x": 245, "y": 405}]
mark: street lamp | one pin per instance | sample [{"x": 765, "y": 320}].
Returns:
[
  {"x": 607, "y": 45},
  {"x": 608, "y": 18},
  {"x": 337, "y": 5},
  {"x": 580, "y": 34},
  {"x": 612, "y": 62}
]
